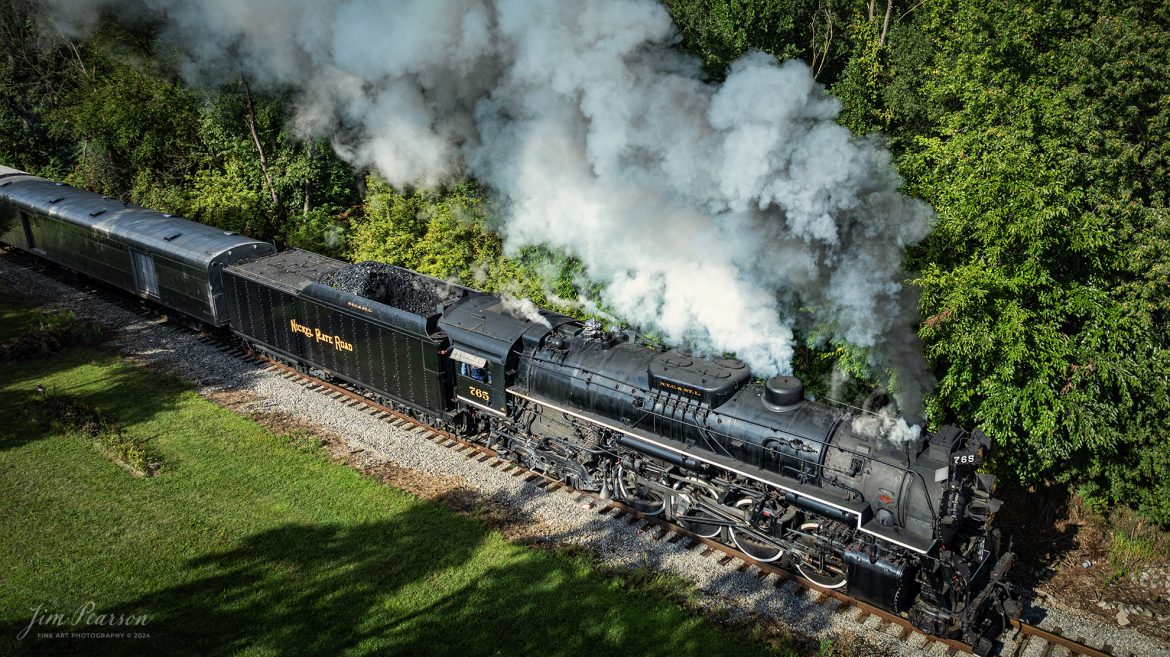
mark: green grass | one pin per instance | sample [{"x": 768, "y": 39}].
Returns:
[
  {"x": 247, "y": 543},
  {"x": 1134, "y": 544},
  {"x": 15, "y": 317}
]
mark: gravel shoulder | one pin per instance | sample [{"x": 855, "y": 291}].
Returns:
[{"x": 523, "y": 511}]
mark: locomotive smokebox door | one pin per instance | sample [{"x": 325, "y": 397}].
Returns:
[{"x": 477, "y": 380}]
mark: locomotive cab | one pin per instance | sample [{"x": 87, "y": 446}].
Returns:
[
  {"x": 478, "y": 381},
  {"x": 485, "y": 332}
]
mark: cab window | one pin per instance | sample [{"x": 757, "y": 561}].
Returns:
[{"x": 475, "y": 373}]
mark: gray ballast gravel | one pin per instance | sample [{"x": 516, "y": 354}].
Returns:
[{"x": 740, "y": 595}]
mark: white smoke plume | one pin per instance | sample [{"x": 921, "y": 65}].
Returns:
[
  {"x": 888, "y": 425},
  {"x": 717, "y": 215},
  {"x": 521, "y": 308}
]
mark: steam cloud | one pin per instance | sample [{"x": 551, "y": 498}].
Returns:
[
  {"x": 718, "y": 215},
  {"x": 521, "y": 308}
]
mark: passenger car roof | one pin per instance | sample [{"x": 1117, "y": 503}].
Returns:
[{"x": 148, "y": 230}]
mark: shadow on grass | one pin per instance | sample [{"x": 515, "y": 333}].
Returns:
[
  {"x": 422, "y": 582},
  {"x": 123, "y": 393}
]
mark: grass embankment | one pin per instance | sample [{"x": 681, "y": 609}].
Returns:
[
  {"x": 245, "y": 542},
  {"x": 16, "y": 319}
]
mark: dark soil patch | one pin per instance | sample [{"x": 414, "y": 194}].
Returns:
[{"x": 1085, "y": 560}]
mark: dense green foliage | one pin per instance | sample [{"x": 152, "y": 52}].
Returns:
[
  {"x": 1045, "y": 280},
  {"x": 719, "y": 31},
  {"x": 253, "y": 543},
  {"x": 1039, "y": 132},
  {"x": 446, "y": 233},
  {"x": 110, "y": 115}
]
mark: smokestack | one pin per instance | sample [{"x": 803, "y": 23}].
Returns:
[{"x": 783, "y": 393}]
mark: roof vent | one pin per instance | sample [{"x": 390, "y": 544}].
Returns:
[
  {"x": 96, "y": 213},
  {"x": 59, "y": 198},
  {"x": 783, "y": 393},
  {"x": 171, "y": 237}
]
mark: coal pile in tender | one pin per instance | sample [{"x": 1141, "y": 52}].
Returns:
[{"x": 390, "y": 285}]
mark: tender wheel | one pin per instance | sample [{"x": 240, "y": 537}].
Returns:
[
  {"x": 751, "y": 546},
  {"x": 826, "y": 572},
  {"x": 637, "y": 495}
]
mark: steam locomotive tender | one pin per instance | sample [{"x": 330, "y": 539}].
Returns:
[{"x": 905, "y": 527}]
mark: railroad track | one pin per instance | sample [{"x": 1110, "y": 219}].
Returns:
[
  {"x": 1026, "y": 640},
  {"x": 1029, "y": 640}
]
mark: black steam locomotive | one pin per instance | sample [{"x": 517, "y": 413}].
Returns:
[{"x": 906, "y": 527}]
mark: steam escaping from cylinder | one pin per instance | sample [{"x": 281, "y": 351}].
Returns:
[{"x": 717, "y": 215}]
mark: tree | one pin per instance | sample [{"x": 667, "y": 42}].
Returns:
[
  {"x": 135, "y": 135},
  {"x": 719, "y": 31},
  {"x": 1044, "y": 281},
  {"x": 36, "y": 73}
]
